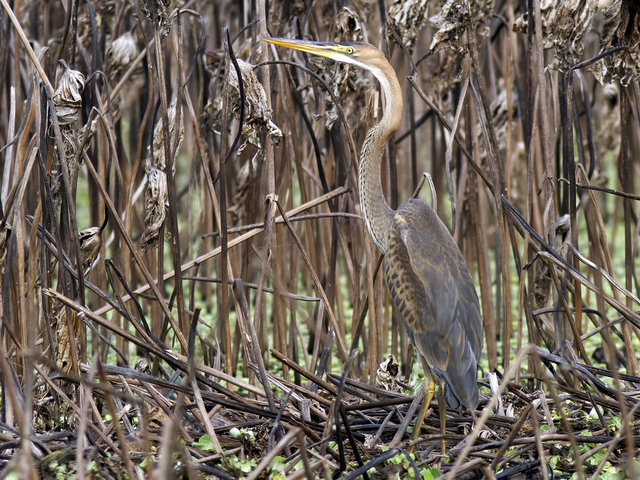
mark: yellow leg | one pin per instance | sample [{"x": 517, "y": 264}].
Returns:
[
  {"x": 430, "y": 388},
  {"x": 442, "y": 407}
]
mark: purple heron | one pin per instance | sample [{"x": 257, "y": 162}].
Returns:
[{"x": 427, "y": 276}]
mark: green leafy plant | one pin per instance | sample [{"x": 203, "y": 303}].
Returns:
[
  {"x": 407, "y": 472},
  {"x": 204, "y": 443},
  {"x": 615, "y": 424},
  {"x": 275, "y": 471},
  {"x": 59, "y": 471},
  {"x": 241, "y": 465},
  {"x": 243, "y": 434}
]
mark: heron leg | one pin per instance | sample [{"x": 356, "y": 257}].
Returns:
[
  {"x": 442, "y": 407},
  {"x": 430, "y": 388}
]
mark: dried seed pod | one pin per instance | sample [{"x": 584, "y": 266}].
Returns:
[
  {"x": 90, "y": 244},
  {"x": 157, "y": 193},
  {"x": 120, "y": 53},
  {"x": 156, "y": 202},
  {"x": 67, "y": 97}
]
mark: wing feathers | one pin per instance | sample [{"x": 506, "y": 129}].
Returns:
[{"x": 434, "y": 293}]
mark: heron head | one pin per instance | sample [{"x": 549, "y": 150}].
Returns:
[{"x": 361, "y": 55}]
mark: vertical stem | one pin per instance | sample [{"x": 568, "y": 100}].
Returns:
[
  {"x": 549, "y": 219},
  {"x": 626, "y": 174},
  {"x": 568, "y": 160},
  {"x": 74, "y": 33},
  {"x": 159, "y": 272},
  {"x": 477, "y": 224},
  {"x": 169, "y": 168},
  {"x": 414, "y": 146},
  {"x": 270, "y": 229},
  {"x": 266, "y": 83},
  {"x": 497, "y": 171},
  {"x": 372, "y": 351},
  {"x": 223, "y": 319}
]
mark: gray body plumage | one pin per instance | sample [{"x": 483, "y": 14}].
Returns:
[{"x": 434, "y": 293}]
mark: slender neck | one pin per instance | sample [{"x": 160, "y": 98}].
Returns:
[{"x": 376, "y": 212}]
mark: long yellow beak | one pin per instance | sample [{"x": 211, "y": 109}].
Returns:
[{"x": 322, "y": 49}]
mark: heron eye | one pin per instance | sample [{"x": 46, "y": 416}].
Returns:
[{"x": 351, "y": 50}]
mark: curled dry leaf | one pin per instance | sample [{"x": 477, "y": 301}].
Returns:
[
  {"x": 370, "y": 441},
  {"x": 564, "y": 24},
  {"x": 157, "y": 193},
  {"x": 346, "y": 82},
  {"x": 162, "y": 12},
  {"x": 387, "y": 373},
  {"x": 241, "y": 190},
  {"x": 521, "y": 23},
  {"x": 67, "y": 97},
  {"x": 103, "y": 17},
  {"x": 257, "y": 115},
  {"x": 452, "y": 22},
  {"x": 156, "y": 202},
  {"x": 443, "y": 73},
  {"x": 63, "y": 352},
  {"x": 5, "y": 232},
  {"x": 67, "y": 101},
  {"x": 500, "y": 111},
  {"x": 347, "y": 26},
  {"x": 143, "y": 365},
  {"x": 621, "y": 27},
  {"x": 159, "y": 158},
  {"x": 444, "y": 70},
  {"x": 408, "y": 17},
  {"x": 494, "y": 385}
]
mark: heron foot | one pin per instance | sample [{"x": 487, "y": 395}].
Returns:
[
  {"x": 430, "y": 388},
  {"x": 442, "y": 409}
]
